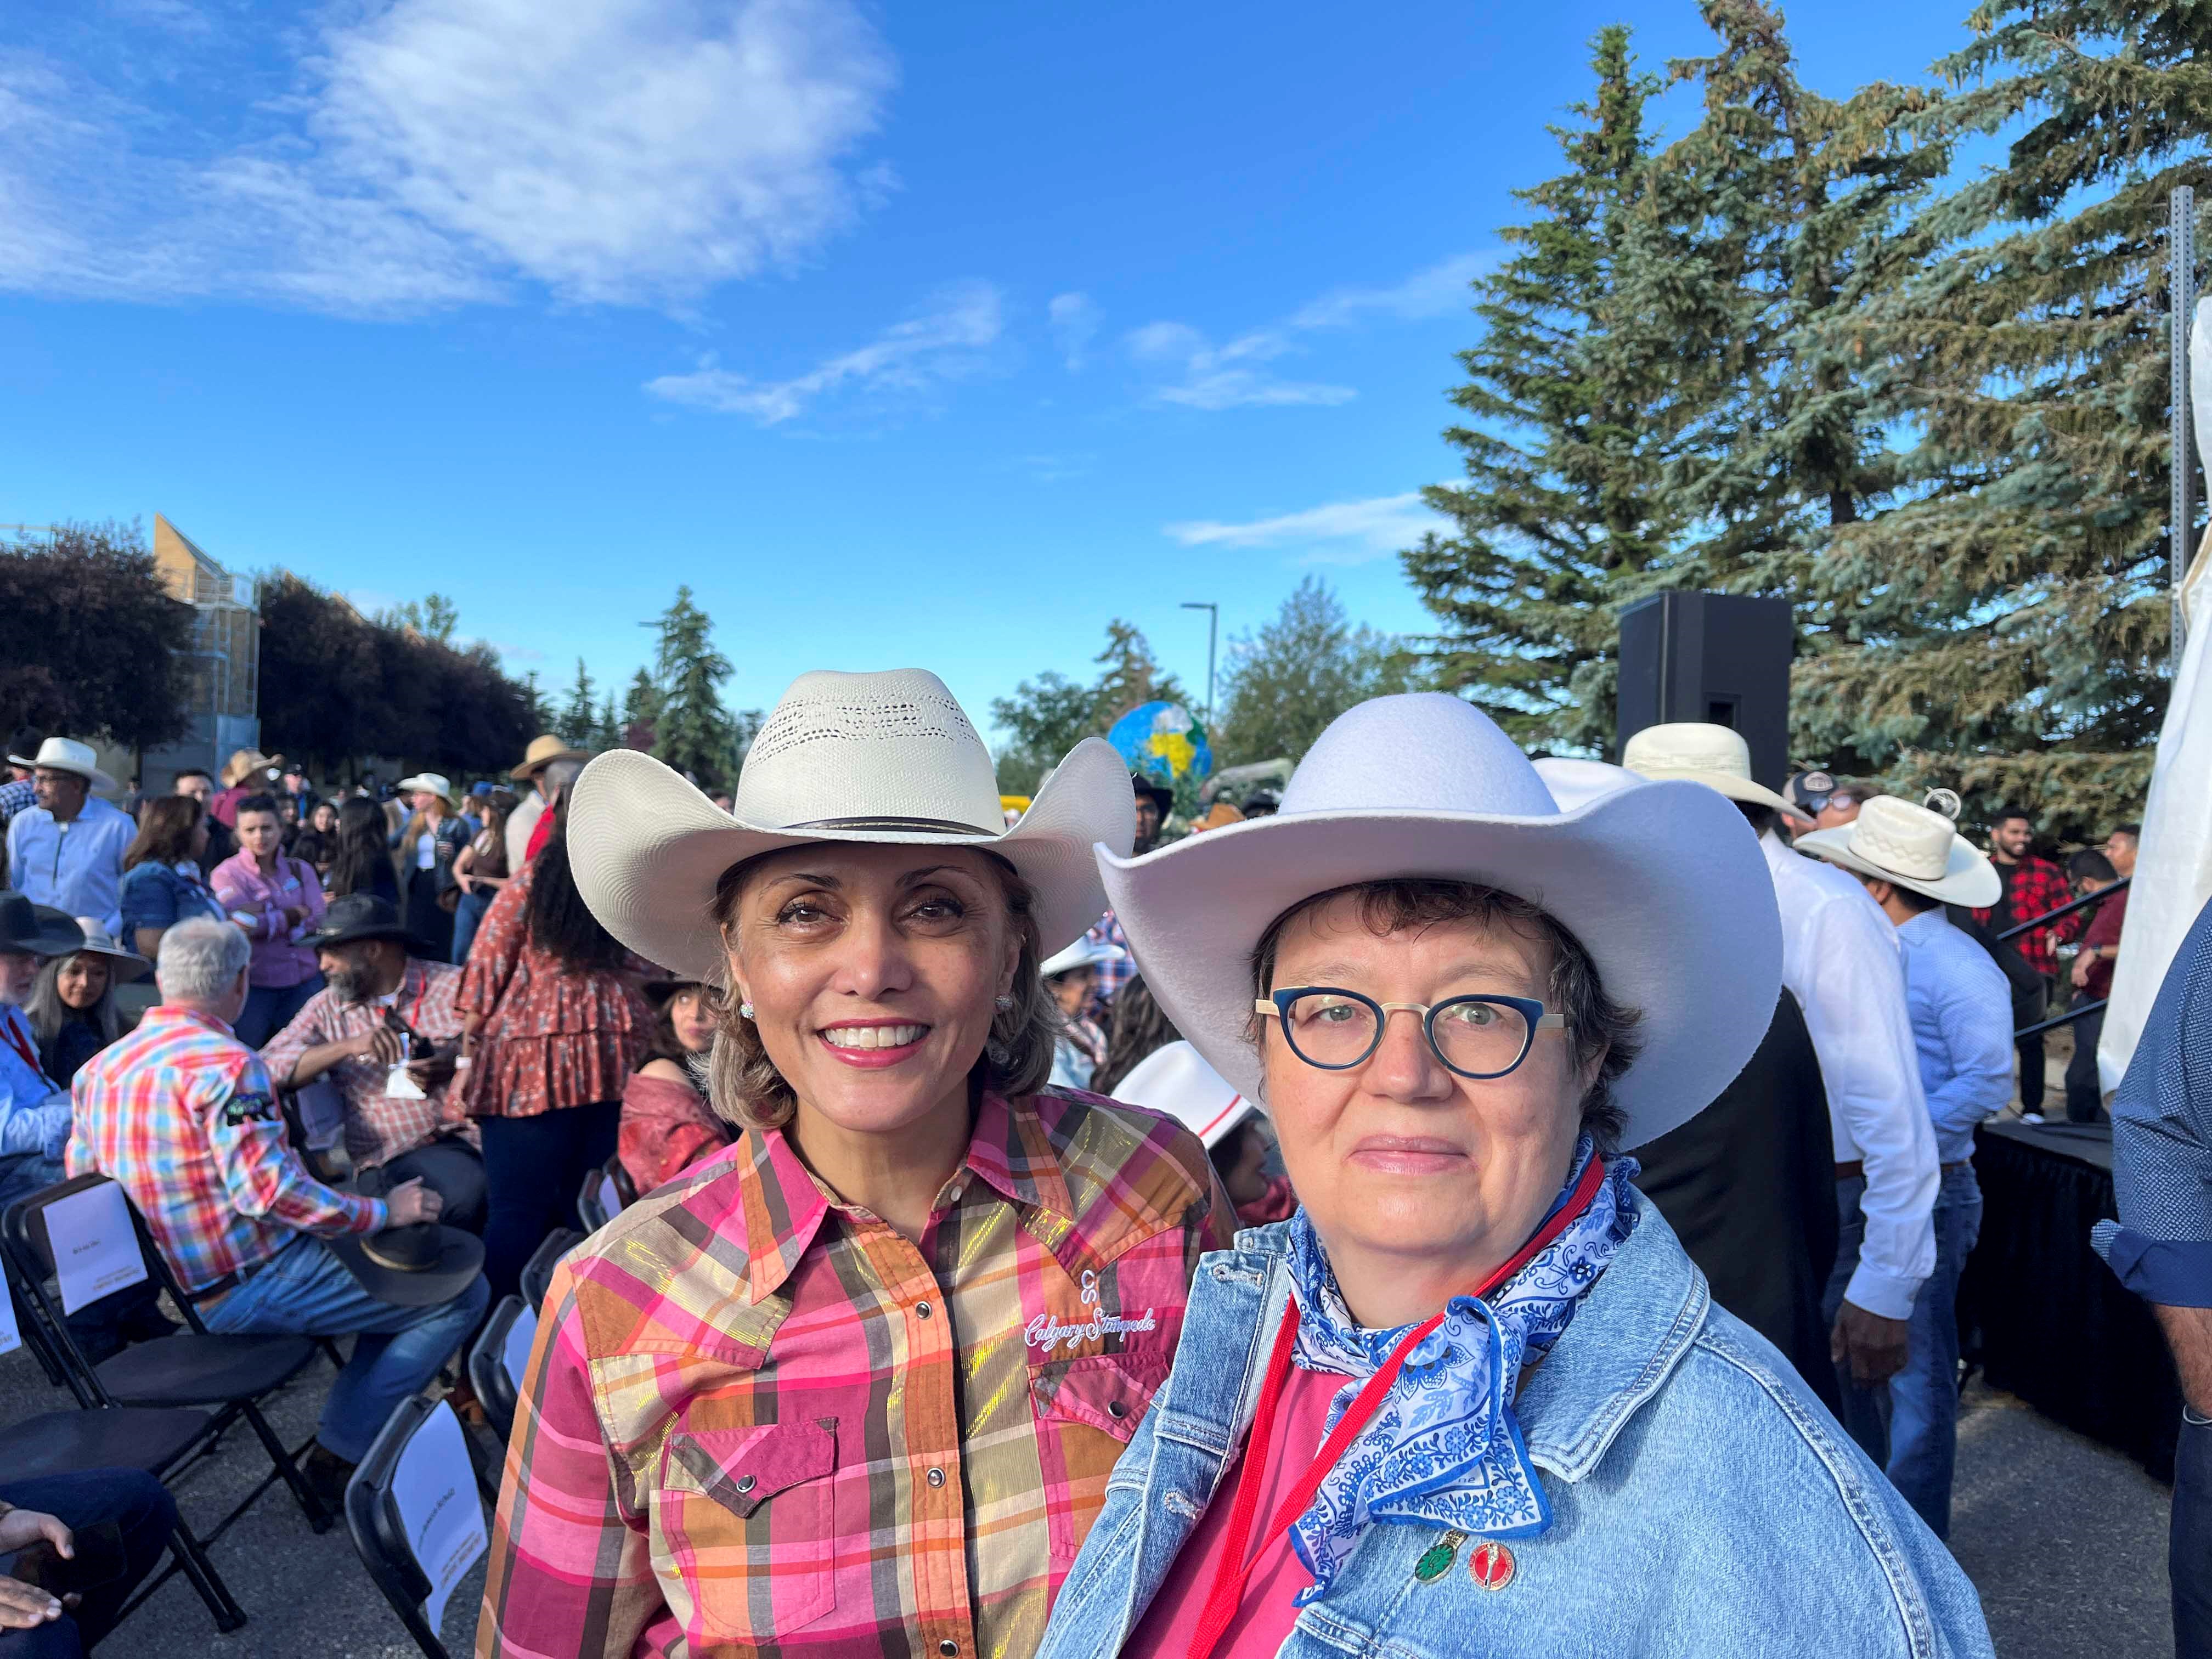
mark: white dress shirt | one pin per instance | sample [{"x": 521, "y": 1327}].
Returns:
[
  {"x": 1840, "y": 959},
  {"x": 519, "y": 822}
]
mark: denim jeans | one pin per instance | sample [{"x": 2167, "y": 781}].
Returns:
[
  {"x": 269, "y": 1008},
  {"x": 2189, "y": 1544},
  {"x": 142, "y": 1512},
  {"x": 1865, "y": 1413},
  {"x": 306, "y": 1291},
  {"x": 467, "y": 916},
  {"x": 533, "y": 1169},
  {"x": 1923, "y": 1416}
]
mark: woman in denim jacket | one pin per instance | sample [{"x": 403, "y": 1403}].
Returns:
[
  {"x": 1474, "y": 1397},
  {"x": 162, "y": 883}
]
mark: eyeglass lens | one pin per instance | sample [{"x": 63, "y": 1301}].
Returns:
[{"x": 1480, "y": 1039}]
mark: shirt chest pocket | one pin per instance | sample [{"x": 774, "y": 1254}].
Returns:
[
  {"x": 1086, "y": 1410},
  {"x": 745, "y": 1535}
]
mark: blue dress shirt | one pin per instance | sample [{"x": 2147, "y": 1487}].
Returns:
[
  {"x": 34, "y": 1110},
  {"x": 76, "y": 866},
  {"x": 1961, "y": 1010},
  {"x": 2161, "y": 1245}
]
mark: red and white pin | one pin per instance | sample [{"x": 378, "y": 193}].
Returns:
[{"x": 1490, "y": 1566}]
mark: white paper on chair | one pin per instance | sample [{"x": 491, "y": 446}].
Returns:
[
  {"x": 398, "y": 1085},
  {"x": 95, "y": 1251},
  {"x": 514, "y": 1352},
  {"x": 10, "y": 1338},
  {"x": 433, "y": 1488}
]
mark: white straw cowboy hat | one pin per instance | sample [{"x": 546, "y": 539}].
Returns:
[
  {"x": 1176, "y": 1080},
  {"x": 885, "y": 758},
  {"x": 1662, "y": 883},
  {"x": 1084, "y": 953},
  {"x": 130, "y": 964},
  {"x": 435, "y": 782},
  {"x": 1893, "y": 841},
  {"x": 1714, "y": 755},
  {"x": 67, "y": 755},
  {"x": 542, "y": 753}
]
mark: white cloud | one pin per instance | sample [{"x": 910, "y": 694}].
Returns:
[
  {"x": 1228, "y": 376},
  {"x": 1337, "y": 533},
  {"x": 437, "y": 151},
  {"x": 1436, "y": 292},
  {"x": 1075, "y": 319},
  {"x": 942, "y": 344}
]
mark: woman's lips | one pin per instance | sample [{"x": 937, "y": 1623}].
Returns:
[
  {"x": 872, "y": 1045},
  {"x": 1412, "y": 1155}
]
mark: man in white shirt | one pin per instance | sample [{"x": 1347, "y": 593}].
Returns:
[
  {"x": 68, "y": 850},
  {"x": 549, "y": 766},
  {"x": 1840, "y": 960}
]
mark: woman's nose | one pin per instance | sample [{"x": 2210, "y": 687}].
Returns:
[
  {"x": 1404, "y": 1066},
  {"x": 873, "y": 960}
]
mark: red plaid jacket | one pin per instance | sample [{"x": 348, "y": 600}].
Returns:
[{"x": 2034, "y": 886}]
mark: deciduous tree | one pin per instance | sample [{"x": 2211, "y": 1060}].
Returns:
[
  {"x": 95, "y": 644},
  {"x": 1287, "y": 682}
]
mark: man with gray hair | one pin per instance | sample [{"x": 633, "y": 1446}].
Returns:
[
  {"x": 183, "y": 1115},
  {"x": 550, "y": 766}
]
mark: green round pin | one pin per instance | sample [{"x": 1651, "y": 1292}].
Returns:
[{"x": 1436, "y": 1561}]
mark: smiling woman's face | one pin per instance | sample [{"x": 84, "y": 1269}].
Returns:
[
  {"x": 1400, "y": 1157},
  {"x": 871, "y": 971}
]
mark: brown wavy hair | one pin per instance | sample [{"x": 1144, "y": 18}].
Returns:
[
  {"x": 165, "y": 831},
  {"x": 744, "y": 1087}
]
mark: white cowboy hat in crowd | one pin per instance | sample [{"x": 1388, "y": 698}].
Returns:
[
  {"x": 435, "y": 782},
  {"x": 131, "y": 965},
  {"x": 885, "y": 758},
  {"x": 1714, "y": 755},
  {"x": 1575, "y": 783},
  {"x": 1176, "y": 1080},
  {"x": 1663, "y": 882},
  {"x": 1911, "y": 847},
  {"x": 1084, "y": 953},
  {"x": 67, "y": 755}
]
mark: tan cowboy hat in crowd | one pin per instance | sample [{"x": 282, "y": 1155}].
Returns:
[
  {"x": 244, "y": 762},
  {"x": 1911, "y": 846},
  {"x": 1649, "y": 877},
  {"x": 542, "y": 753},
  {"x": 130, "y": 964},
  {"x": 435, "y": 782},
  {"x": 1714, "y": 755},
  {"x": 885, "y": 758},
  {"x": 67, "y": 755}
]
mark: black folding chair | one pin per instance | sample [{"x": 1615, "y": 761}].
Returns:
[
  {"x": 591, "y": 1203},
  {"x": 385, "y": 1535},
  {"x": 493, "y": 1370},
  {"x": 538, "y": 1272},
  {"x": 196, "y": 1367}
]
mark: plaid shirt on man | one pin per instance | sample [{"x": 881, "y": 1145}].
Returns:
[
  {"x": 2032, "y": 887},
  {"x": 182, "y": 1115},
  {"x": 757, "y": 1419},
  {"x": 16, "y": 795},
  {"x": 380, "y": 1127},
  {"x": 1108, "y": 977}
]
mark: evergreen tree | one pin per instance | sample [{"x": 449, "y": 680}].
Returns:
[
  {"x": 694, "y": 733},
  {"x": 1299, "y": 672},
  {"x": 1049, "y": 716},
  {"x": 1562, "y": 498},
  {"x": 1130, "y": 676},
  {"x": 2002, "y": 628},
  {"x": 579, "y": 717},
  {"x": 606, "y": 729},
  {"x": 640, "y": 710},
  {"x": 533, "y": 701}
]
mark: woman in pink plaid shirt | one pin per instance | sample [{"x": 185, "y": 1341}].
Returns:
[{"x": 855, "y": 1385}]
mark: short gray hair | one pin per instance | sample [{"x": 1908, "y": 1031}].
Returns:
[
  {"x": 557, "y": 774},
  {"x": 200, "y": 960}
]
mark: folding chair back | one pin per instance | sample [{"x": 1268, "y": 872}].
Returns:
[
  {"x": 415, "y": 1516},
  {"x": 591, "y": 1203},
  {"x": 80, "y": 1233},
  {"x": 622, "y": 1188},
  {"x": 500, "y": 1358},
  {"x": 538, "y": 1272}
]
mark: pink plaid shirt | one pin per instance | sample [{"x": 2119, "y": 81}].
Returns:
[
  {"x": 293, "y": 885},
  {"x": 378, "y": 1127},
  {"x": 181, "y": 1114},
  {"x": 758, "y": 1419}
]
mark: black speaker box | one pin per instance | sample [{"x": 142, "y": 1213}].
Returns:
[{"x": 1712, "y": 657}]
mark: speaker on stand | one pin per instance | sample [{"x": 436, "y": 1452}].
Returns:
[{"x": 1716, "y": 657}]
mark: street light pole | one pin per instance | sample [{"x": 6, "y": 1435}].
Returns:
[{"x": 1213, "y": 637}]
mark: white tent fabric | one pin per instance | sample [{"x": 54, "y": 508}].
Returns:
[{"x": 2173, "y": 868}]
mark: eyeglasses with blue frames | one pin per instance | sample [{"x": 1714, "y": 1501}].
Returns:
[{"x": 1474, "y": 1037}]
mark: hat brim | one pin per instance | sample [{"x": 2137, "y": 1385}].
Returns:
[
  {"x": 460, "y": 1259},
  {"x": 58, "y": 935},
  {"x": 91, "y": 775},
  {"x": 1736, "y": 788},
  {"x": 139, "y": 966},
  {"x": 530, "y": 770},
  {"x": 1969, "y": 877},
  {"x": 1661, "y": 882},
  {"x": 353, "y": 935},
  {"x": 649, "y": 847}
]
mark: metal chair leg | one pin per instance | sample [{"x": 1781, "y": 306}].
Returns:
[
  {"x": 318, "y": 1518},
  {"x": 192, "y": 1559}
]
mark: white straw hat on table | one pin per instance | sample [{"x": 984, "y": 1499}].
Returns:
[
  {"x": 1912, "y": 847},
  {"x": 1662, "y": 883},
  {"x": 886, "y": 758}
]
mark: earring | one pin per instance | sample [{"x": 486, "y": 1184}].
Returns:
[
  {"x": 1005, "y": 1003},
  {"x": 745, "y": 1010}
]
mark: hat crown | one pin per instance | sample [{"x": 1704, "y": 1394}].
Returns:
[
  {"x": 66, "y": 755},
  {"x": 891, "y": 746},
  {"x": 1895, "y": 834},
  {"x": 1419, "y": 751},
  {"x": 1679, "y": 749}
]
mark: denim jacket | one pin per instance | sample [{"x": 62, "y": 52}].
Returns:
[{"x": 1703, "y": 1501}]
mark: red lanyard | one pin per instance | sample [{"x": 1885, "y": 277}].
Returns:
[
  {"x": 1233, "y": 1569},
  {"x": 16, "y": 1041}
]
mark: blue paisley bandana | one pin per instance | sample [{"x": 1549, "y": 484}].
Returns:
[{"x": 1444, "y": 1449}]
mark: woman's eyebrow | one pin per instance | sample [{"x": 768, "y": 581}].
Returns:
[
  {"x": 929, "y": 869},
  {"x": 807, "y": 877}
]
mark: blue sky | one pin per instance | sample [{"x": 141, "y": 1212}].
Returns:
[{"x": 932, "y": 335}]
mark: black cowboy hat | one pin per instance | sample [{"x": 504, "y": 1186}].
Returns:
[
  {"x": 358, "y": 916},
  {"x": 40, "y": 929},
  {"x": 1143, "y": 783},
  {"x": 659, "y": 992},
  {"x": 417, "y": 1266}
]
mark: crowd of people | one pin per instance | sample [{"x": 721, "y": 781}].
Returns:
[{"x": 967, "y": 1151}]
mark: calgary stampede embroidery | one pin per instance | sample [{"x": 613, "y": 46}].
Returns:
[{"x": 1046, "y": 1332}]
